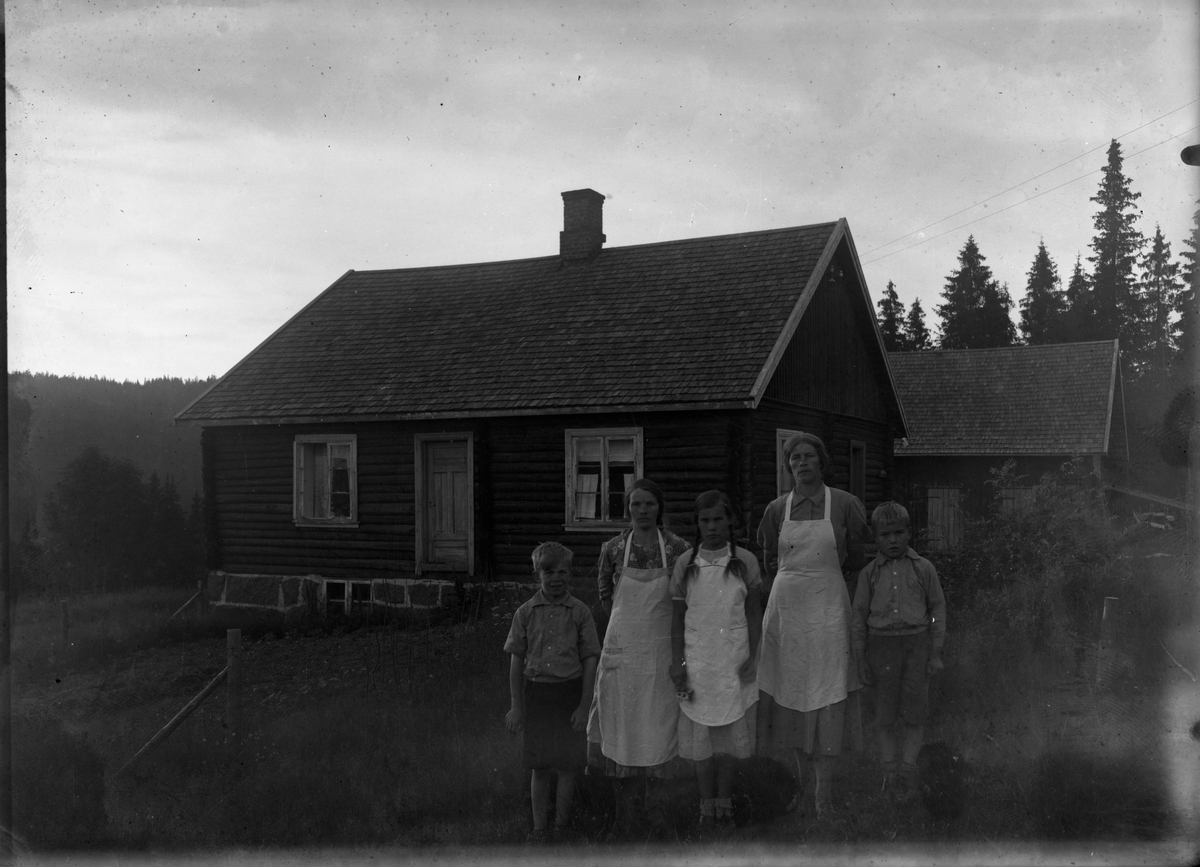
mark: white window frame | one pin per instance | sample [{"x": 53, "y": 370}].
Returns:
[
  {"x": 348, "y": 586},
  {"x": 571, "y": 437},
  {"x": 419, "y": 441},
  {"x": 300, "y": 447},
  {"x": 783, "y": 473}
]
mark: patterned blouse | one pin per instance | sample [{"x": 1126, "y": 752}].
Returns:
[{"x": 612, "y": 558}]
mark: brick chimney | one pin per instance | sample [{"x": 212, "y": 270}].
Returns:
[{"x": 583, "y": 226}]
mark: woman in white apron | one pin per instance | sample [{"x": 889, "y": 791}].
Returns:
[
  {"x": 807, "y": 676},
  {"x": 716, "y": 590},
  {"x": 634, "y": 716}
]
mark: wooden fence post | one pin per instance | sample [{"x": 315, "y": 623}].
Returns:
[
  {"x": 1110, "y": 626},
  {"x": 233, "y": 682}
]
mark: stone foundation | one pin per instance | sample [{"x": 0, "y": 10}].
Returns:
[{"x": 294, "y": 595}]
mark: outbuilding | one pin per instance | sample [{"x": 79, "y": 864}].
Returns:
[{"x": 971, "y": 410}]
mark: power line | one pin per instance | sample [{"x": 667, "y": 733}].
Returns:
[
  {"x": 1023, "y": 183},
  {"x": 1024, "y": 201}
]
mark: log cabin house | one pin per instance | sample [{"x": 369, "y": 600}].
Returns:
[
  {"x": 413, "y": 431},
  {"x": 970, "y": 410}
]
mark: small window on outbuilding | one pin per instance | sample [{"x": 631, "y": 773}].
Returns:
[
  {"x": 325, "y": 489},
  {"x": 1015, "y": 499},
  {"x": 601, "y": 464},
  {"x": 943, "y": 517}
]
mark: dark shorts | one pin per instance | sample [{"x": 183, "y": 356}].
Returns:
[
  {"x": 549, "y": 740},
  {"x": 901, "y": 685}
]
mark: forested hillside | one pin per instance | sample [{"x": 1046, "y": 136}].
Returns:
[{"x": 53, "y": 419}]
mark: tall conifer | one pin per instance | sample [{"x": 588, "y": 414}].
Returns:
[
  {"x": 891, "y": 319},
  {"x": 1077, "y": 322},
  {"x": 916, "y": 334},
  {"x": 1187, "y": 303},
  {"x": 1044, "y": 306},
  {"x": 1115, "y": 247},
  {"x": 1159, "y": 290},
  {"x": 976, "y": 312}
]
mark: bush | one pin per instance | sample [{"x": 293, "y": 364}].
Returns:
[{"x": 1039, "y": 568}]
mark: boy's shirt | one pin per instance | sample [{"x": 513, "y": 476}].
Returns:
[
  {"x": 554, "y": 637},
  {"x": 899, "y": 597}
]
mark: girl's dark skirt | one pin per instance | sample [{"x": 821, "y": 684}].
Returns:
[{"x": 549, "y": 741}]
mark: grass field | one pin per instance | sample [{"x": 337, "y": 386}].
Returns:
[{"x": 391, "y": 735}]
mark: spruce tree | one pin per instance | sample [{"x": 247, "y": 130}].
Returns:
[
  {"x": 891, "y": 319},
  {"x": 995, "y": 321},
  {"x": 916, "y": 335},
  {"x": 1077, "y": 322},
  {"x": 1187, "y": 303},
  {"x": 976, "y": 312},
  {"x": 1116, "y": 247},
  {"x": 1044, "y": 306},
  {"x": 1160, "y": 286}
]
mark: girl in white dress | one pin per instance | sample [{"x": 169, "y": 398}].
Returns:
[{"x": 716, "y": 622}]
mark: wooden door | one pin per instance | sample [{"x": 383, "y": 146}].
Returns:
[{"x": 447, "y": 515}]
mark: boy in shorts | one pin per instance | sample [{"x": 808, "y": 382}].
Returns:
[
  {"x": 554, "y": 649},
  {"x": 897, "y": 629}
]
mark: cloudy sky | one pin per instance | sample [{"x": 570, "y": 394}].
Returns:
[{"x": 183, "y": 177}]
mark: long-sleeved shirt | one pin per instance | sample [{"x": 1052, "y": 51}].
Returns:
[{"x": 898, "y": 597}]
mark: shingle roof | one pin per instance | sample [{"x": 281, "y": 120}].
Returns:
[
  {"x": 1018, "y": 400},
  {"x": 690, "y": 322}
]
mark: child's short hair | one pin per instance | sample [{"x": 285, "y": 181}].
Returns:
[
  {"x": 550, "y": 554},
  {"x": 890, "y": 513}
]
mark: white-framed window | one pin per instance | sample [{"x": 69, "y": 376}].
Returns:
[
  {"x": 347, "y": 597},
  {"x": 943, "y": 517},
  {"x": 325, "y": 488},
  {"x": 601, "y": 464}
]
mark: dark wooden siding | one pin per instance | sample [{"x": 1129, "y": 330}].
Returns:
[
  {"x": 519, "y": 487},
  {"x": 836, "y": 431},
  {"x": 248, "y": 482},
  {"x": 833, "y": 361},
  {"x": 685, "y": 453},
  {"x": 915, "y": 475},
  {"x": 252, "y": 474}
]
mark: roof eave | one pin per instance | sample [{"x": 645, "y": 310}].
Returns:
[
  {"x": 177, "y": 418},
  {"x": 464, "y": 414}
]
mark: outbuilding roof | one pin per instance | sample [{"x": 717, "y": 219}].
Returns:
[
  {"x": 687, "y": 323},
  {"x": 1060, "y": 399}
]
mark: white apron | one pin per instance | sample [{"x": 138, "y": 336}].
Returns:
[
  {"x": 716, "y": 641},
  {"x": 805, "y": 660},
  {"x": 635, "y": 714}
]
